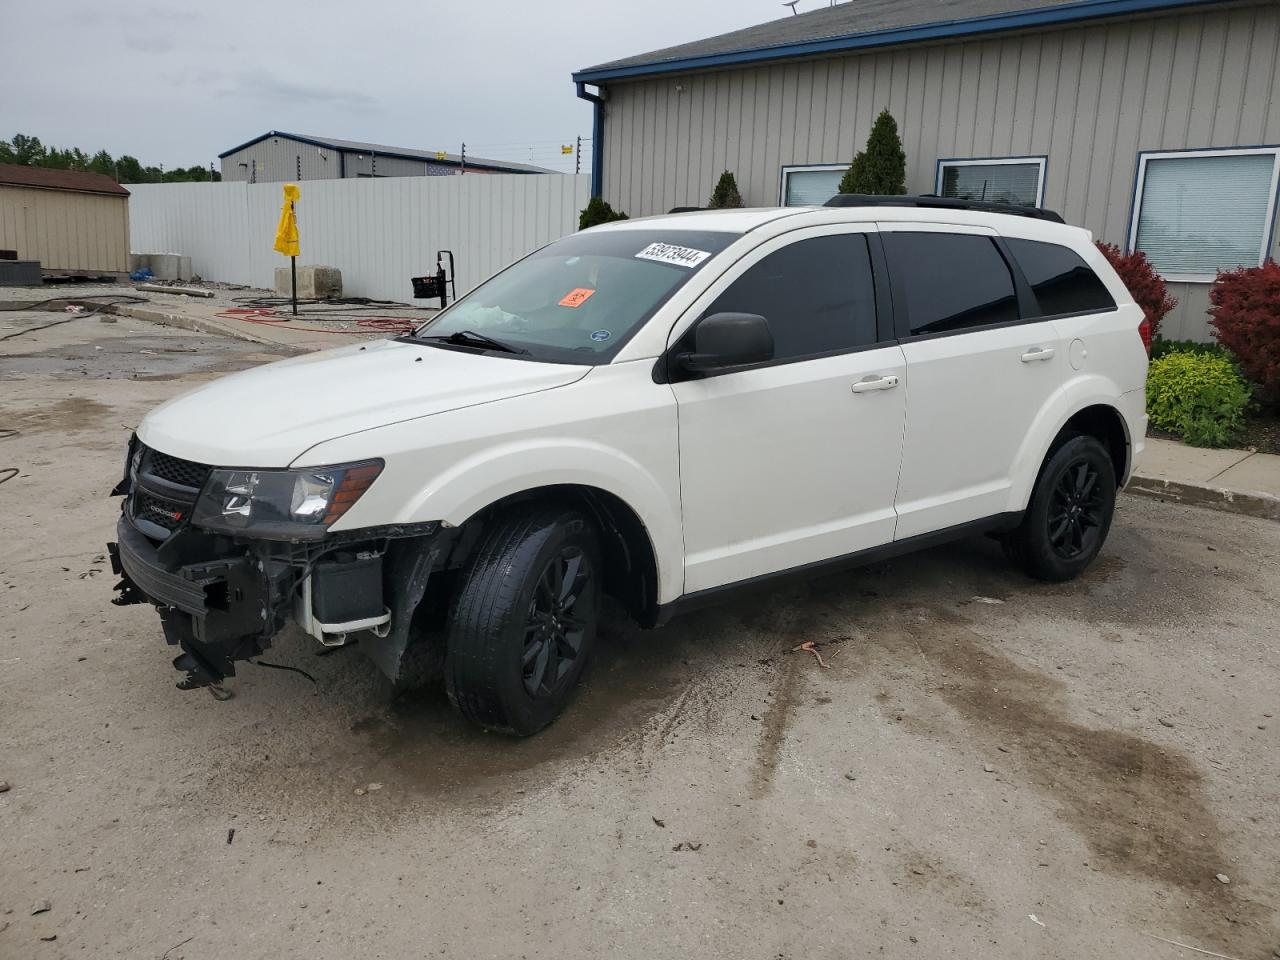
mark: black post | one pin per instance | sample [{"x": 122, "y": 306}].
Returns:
[
  {"x": 293, "y": 261},
  {"x": 577, "y": 158}
]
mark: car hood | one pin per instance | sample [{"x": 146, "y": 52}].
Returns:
[{"x": 270, "y": 415}]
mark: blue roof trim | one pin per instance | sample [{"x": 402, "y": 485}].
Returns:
[
  {"x": 382, "y": 153},
  {"x": 939, "y": 30}
]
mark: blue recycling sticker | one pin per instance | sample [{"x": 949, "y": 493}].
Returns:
[{"x": 600, "y": 336}]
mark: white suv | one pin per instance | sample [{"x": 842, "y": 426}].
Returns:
[{"x": 661, "y": 410}]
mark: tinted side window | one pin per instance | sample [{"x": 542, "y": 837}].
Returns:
[
  {"x": 817, "y": 295},
  {"x": 950, "y": 281},
  {"x": 1061, "y": 281}
]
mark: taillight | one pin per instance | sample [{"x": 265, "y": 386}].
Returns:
[{"x": 1144, "y": 331}]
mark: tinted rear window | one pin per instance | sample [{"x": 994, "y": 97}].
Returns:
[
  {"x": 1061, "y": 281},
  {"x": 950, "y": 281}
]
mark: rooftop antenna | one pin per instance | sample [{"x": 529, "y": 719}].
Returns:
[{"x": 792, "y": 5}]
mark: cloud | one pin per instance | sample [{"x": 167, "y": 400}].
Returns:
[{"x": 264, "y": 85}]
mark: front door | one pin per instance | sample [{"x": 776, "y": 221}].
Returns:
[{"x": 796, "y": 460}]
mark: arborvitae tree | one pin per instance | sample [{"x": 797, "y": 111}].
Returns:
[
  {"x": 882, "y": 167},
  {"x": 725, "y": 195},
  {"x": 597, "y": 212}
]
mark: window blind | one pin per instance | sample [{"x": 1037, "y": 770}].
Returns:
[
  {"x": 1017, "y": 183},
  {"x": 1199, "y": 215},
  {"x": 811, "y": 188}
]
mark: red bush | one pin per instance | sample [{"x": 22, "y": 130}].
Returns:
[
  {"x": 1246, "y": 315},
  {"x": 1146, "y": 286}
]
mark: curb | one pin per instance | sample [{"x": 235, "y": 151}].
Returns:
[
  {"x": 1249, "y": 504},
  {"x": 194, "y": 324}
]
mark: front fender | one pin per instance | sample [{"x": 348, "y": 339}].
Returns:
[
  {"x": 467, "y": 486},
  {"x": 1081, "y": 391}
]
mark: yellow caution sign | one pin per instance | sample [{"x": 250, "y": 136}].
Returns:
[
  {"x": 568, "y": 148},
  {"x": 287, "y": 230},
  {"x": 441, "y": 155}
]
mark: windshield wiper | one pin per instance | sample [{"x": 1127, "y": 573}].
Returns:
[{"x": 469, "y": 338}]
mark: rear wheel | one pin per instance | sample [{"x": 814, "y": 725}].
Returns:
[
  {"x": 524, "y": 623},
  {"x": 1070, "y": 512}
]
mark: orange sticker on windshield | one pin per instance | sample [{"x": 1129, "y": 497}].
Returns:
[{"x": 576, "y": 298}]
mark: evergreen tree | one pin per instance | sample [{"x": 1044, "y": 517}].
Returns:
[
  {"x": 882, "y": 167},
  {"x": 725, "y": 195},
  {"x": 596, "y": 212}
]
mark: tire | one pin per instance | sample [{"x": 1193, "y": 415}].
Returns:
[
  {"x": 524, "y": 622},
  {"x": 1069, "y": 516}
]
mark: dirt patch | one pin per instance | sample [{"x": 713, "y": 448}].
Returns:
[
  {"x": 69, "y": 415},
  {"x": 1140, "y": 807},
  {"x": 773, "y": 728}
]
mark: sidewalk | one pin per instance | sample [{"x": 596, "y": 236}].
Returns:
[{"x": 1234, "y": 480}]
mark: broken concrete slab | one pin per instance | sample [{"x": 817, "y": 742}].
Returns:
[{"x": 314, "y": 283}]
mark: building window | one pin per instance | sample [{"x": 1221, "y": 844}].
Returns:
[
  {"x": 1015, "y": 180},
  {"x": 1197, "y": 212},
  {"x": 812, "y": 185}
]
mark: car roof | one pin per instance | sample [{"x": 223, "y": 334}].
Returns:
[{"x": 744, "y": 220}]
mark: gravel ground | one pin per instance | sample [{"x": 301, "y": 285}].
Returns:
[{"x": 986, "y": 767}]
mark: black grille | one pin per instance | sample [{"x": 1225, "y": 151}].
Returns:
[
  {"x": 165, "y": 513},
  {"x": 182, "y": 472}
]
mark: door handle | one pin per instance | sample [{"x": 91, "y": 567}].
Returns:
[
  {"x": 875, "y": 383},
  {"x": 1037, "y": 353}
]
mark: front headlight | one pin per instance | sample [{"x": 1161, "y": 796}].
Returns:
[{"x": 282, "y": 504}]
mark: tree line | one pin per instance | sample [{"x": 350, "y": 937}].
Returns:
[{"x": 30, "y": 152}]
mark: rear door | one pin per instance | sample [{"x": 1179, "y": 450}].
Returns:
[
  {"x": 978, "y": 374},
  {"x": 793, "y": 461}
]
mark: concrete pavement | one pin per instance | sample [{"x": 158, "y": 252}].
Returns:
[{"x": 1240, "y": 481}]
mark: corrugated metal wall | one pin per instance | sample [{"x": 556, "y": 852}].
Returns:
[
  {"x": 279, "y": 159},
  {"x": 64, "y": 230},
  {"x": 1089, "y": 98},
  {"x": 379, "y": 233}
]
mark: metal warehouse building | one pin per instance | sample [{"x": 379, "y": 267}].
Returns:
[
  {"x": 276, "y": 157},
  {"x": 72, "y": 222},
  {"x": 1154, "y": 123}
]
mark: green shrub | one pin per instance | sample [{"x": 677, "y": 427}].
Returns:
[
  {"x": 882, "y": 167},
  {"x": 598, "y": 211},
  {"x": 726, "y": 195},
  {"x": 1198, "y": 396},
  {"x": 1161, "y": 347}
]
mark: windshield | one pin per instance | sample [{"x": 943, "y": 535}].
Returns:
[{"x": 577, "y": 300}]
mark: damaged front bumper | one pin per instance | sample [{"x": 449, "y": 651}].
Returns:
[{"x": 222, "y": 600}]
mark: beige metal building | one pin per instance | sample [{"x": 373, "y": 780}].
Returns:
[
  {"x": 72, "y": 222},
  {"x": 1154, "y": 123},
  {"x": 276, "y": 157}
]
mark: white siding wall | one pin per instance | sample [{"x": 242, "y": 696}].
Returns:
[
  {"x": 1089, "y": 98},
  {"x": 379, "y": 233}
]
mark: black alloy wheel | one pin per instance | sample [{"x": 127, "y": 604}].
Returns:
[
  {"x": 1069, "y": 515},
  {"x": 556, "y": 626}
]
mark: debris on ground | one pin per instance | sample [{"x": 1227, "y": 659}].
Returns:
[
  {"x": 992, "y": 600},
  {"x": 1187, "y": 946},
  {"x": 688, "y": 845},
  {"x": 988, "y": 768},
  {"x": 850, "y": 776},
  {"x": 1034, "y": 919},
  {"x": 231, "y": 835},
  {"x": 41, "y": 906},
  {"x": 1165, "y": 722},
  {"x": 809, "y": 647},
  {"x": 1223, "y": 878},
  {"x": 660, "y": 823},
  {"x": 5, "y": 787}
]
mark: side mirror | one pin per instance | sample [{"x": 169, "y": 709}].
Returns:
[{"x": 728, "y": 340}]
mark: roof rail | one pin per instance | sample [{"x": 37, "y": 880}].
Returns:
[{"x": 931, "y": 201}]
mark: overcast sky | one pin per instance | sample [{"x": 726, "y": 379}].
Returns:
[{"x": 177, "y": 83}]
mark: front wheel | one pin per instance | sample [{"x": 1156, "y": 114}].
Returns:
[
  {"x": 1070, "y": 512},
  {"x": 524, "y": 622}
]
